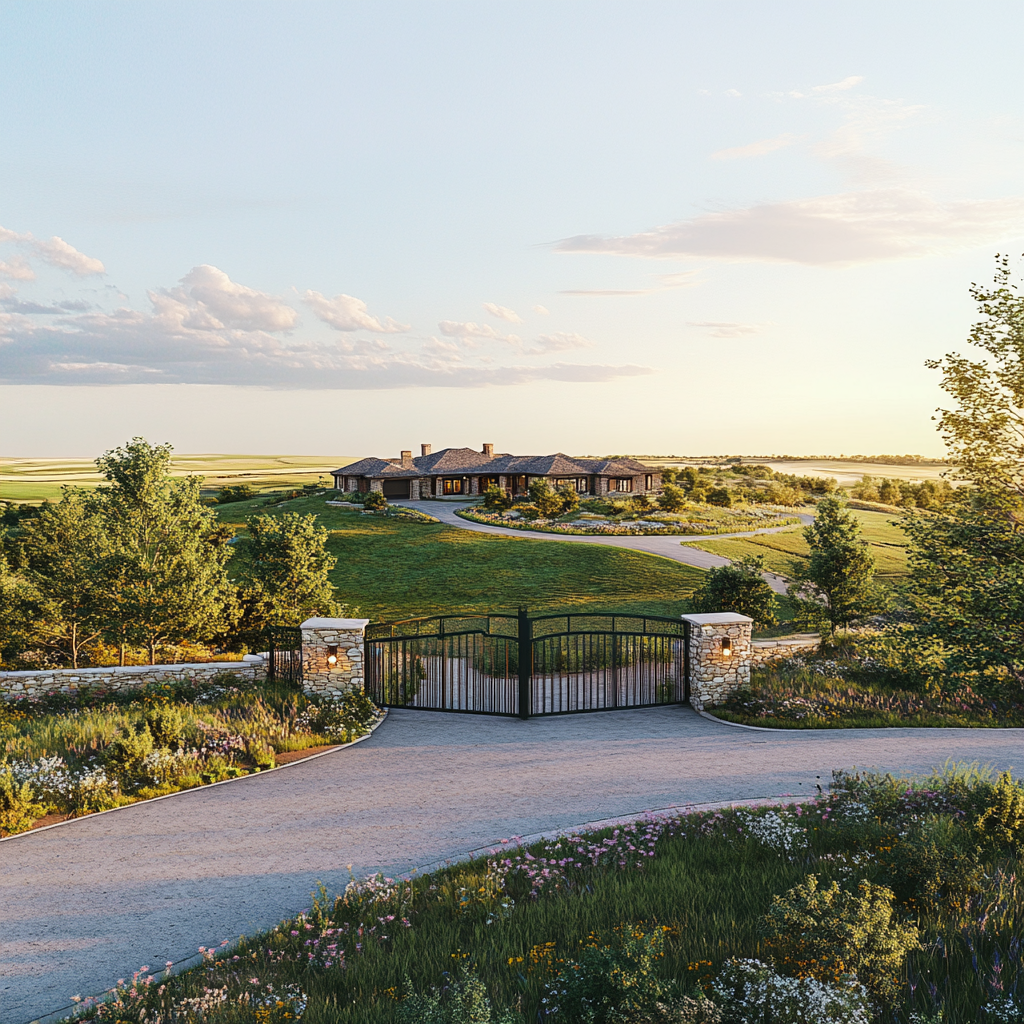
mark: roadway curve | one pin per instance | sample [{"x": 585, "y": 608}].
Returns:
[
  {"x": 90, "y": 901},
  {"x": 673, "y": 547}
]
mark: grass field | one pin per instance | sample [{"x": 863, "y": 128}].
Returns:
[
  {"x": 393, "y": 569},
  {"x": 33, "y": 480},
  {"x": 783, "y": 552}
]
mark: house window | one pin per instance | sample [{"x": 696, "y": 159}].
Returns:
[
  {"x": 622, "y": 484},
  {"x": 649, "y": 482},
  {"x": 452, "y": 486},
  {"x": 489, "y": 481}
]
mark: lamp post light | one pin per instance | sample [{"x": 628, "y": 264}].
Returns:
[
  {"x": 332, "y": 656},
  {"x": 726, "y": 647}
]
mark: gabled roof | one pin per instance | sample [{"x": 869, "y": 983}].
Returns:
[
  {"x": 540, "y": 465},
  {"x": 615, "y": 467},
  {"x": 454, "y": 460},
  {"x": 376, "y": 468}
]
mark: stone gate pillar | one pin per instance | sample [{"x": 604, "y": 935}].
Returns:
[
  {"x": 720, "y": 656},
  {"x": 337, "y": 639}
]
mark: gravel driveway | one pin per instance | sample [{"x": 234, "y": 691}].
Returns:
[{"x": 90, "y": 901}]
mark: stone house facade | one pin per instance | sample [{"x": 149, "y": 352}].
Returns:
[{"x": 455, "y": 472}]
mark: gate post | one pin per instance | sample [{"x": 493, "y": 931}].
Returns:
[
  {"x": 525, "y": 662},
  {"x": 719, "y": 656},
  {"x": 337, "y": 639}
]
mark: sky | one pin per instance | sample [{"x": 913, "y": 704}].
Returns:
[{"x": 656, "y": 228}]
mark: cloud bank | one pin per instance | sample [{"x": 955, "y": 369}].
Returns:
[{"x": 851, "y": 227}]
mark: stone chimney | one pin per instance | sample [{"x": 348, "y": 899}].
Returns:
[
  {"x": 489, "y": 451},
  {"x": 406, "y": 460},
  {"x": 425, "y": 449}
]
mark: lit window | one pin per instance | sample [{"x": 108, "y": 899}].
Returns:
[{"x": 453, "y": 486}]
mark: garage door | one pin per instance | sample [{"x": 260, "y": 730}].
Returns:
[{"x": 396, "y": 488}]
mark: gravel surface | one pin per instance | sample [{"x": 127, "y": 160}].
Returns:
[{"x": 88, "y": 902}]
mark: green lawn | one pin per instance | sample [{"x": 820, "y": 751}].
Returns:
[
  {"x": 783, "y": 552},
  {"x": 392, "y": 569}
]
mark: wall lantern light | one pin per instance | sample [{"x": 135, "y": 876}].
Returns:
[
  {"x": 332, "y": 655},
  {"x": 726, "y": 647}
]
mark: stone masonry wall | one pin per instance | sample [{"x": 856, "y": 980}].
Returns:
[
  {"x": 67, "y": 680},
  {"x": 341, "y": 639},
  {"x": 764, "y": 652},
  {"x": 713, "y": 674}
]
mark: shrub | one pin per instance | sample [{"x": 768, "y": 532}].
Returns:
[
  {"x": 547, "y": 501},
  {"x": 375, "y": 501},
  {"x": 672, "y": 498},
  {"x": 463, "y": 1000},
  {"x": 738, "y": 588},
  {"x": 1001, "y": 824},
  {"x": 18, "y": 809},
  {"x": 719, "y": 496},
  {"x": 749, "y": 991},
  {"x": 569, "y": 498},
  {"x": 125, "y": 757},
  {"x": 166, "y": 725},
  {"x": 238, "y": 492},
  {"x": 831, "y": 934},
  {"x": 612, "y": 983},
  {"x": 497, "y": 500}
]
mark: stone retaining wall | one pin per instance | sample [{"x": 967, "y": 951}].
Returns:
[
  {"x": 762, "y": 652},
  {"x": 66, "y": 680}
]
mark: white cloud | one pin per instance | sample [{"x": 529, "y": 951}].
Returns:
[
  {"x": 851, "y": 227},
  {"x": 347, "y": 313},
  {"x": 733, "y": 92},
  {"x": 846, "y": 83},
  {"x": 469, "y": 329},
  {"x": 542, "y": 310},
  {"x": 56, "y": 252},
  {"x": 17, "y": 269},
  {"x": 755, "y": 148},
  {"x": 560, "y": 341},
  {"x": 726, "y": 329},
  {"x": 503, "y": 313},
  {"x": 208, "y": 298}
]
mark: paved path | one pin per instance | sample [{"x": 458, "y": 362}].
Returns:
[
  {"x": 674, "y": 547},
  {"x": 89, "y": 902}
]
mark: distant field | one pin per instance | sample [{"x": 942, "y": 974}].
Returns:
[
  {"x": 392, "y": 569},
  {"x": 32, "y": 480},
  {"x": 784, "y": 552},
  {"x": 845, "y": 471}
]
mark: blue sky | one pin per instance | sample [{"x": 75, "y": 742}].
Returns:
[{"x": 594, "y": 227}]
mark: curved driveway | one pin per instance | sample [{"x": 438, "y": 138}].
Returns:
[
  {"x": 674, "y": 547},
  {"x": 88, "y": 902}
]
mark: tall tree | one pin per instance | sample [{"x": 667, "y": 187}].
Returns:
[
  {"x": 283, "y": 576},
  {"x": 16, "y": 599},
  {"x": 741, "y": 588},
  {"x": 967, "y": 560},
  {"x": 65, "y": 546},
  {"x": 166, "y": 564},
  {"x": 840, "y": 568}
]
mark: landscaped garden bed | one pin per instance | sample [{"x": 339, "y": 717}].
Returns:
[
  {"x": 632, "y": 521},
  {"x": 67, "y": 755},
  {"x": 884, "y": 900}
]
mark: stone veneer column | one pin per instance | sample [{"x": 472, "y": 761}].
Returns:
[
  {"x": 713, "y": 674},
  {"x": 344, "y": 639}
]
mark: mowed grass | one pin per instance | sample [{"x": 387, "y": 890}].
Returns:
[
  {"x": 785, "y": 552},
  {"x": 392, "y": 569}
]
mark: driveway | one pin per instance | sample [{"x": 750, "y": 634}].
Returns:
[
  {"x": 667, "y": 547},
  {"x": 88, "y": 902}
]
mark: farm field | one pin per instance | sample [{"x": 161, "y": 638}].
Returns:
[
  {"x": 34, "y": 480},
  {"x": 784, "y": 551},
  {"x": 392, "y": 569}
]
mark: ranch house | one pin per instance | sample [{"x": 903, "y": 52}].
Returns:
[{"x": 464, "y": 471}]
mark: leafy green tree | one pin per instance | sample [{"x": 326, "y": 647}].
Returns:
[
  {"x": 967, "y": 559},
  {"x": 285, "y": 574},
  {"x": 548, "y": 503},
  {"x": 65, "y": 546},
  {"x": 236, "y": 492},
  {"x": 166, "y": 563},
  {"x": 496, "y": 500},
  {"x": 570, "y": 500},
  {"x": 840, "y": 569},
  {"x": 688, "y": 478},
  {"x": 672, "y": 498},
  {"x": 15, "y": 604},
  {"x": 739, "y": 588},
  {"x": 720, "y": 496}
]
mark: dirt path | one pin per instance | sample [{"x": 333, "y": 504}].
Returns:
[
  {"x": 90, "y": 901},
  {"x": 673, "y": 547}
]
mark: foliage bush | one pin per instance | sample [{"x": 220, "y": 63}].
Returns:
[
  {"x": 463, "y": 1000},
  {"x": 497, "y": 500},
  {"x": 1001, "y": 823},
  {"x": 19, "y": 809},
  {"x": 739, "y": 588},
  {"x": 236, "y": 492},
  {"x": 375, "y": 501},
  {"x": 832, "y": 934},
  {"x": 672, "y": 498},
  {"x": 721, "y": 496}
]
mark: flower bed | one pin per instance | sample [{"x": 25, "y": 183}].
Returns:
[
  {"x": 67, "y": 755},
  {"x": 647, "y": 525},
  {"x": 883, "y": 900}
]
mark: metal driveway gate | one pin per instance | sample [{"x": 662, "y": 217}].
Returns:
[
  {"x": 518, "y": 665},
  {"x": 284, "y": 645}
]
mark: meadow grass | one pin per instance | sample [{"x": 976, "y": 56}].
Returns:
[
  {"x": 785, "y": 552},
  {"x": 705, "y": 881},
  {"x": 392, "y": 569}
]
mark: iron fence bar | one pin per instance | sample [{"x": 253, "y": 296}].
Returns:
[{"x": 525, "y": 664}]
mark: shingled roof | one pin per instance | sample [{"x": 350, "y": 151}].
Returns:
[{"x": 456, "y": 461}]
